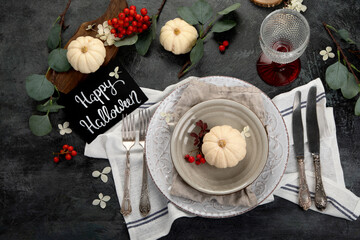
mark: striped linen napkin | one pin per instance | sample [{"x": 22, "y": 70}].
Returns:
[{"x": 341, "y": 202}]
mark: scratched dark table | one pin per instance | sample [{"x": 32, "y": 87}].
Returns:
[{"x": 43, "y": 200}]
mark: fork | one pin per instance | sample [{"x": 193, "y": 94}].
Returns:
[
  {"x": 128, "y": 140},
  {"x": 144, "y": 206}
]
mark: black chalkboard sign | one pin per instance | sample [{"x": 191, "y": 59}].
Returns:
[{"x": 99, "y": 103}]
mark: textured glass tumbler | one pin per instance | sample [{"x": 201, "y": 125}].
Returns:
[{"x": 284, "y": 36}]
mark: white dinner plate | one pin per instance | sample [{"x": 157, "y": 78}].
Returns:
[{"x": 161, "y": 166}]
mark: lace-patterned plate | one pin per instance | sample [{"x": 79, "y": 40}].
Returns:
[{"x": 161, "y": 167}]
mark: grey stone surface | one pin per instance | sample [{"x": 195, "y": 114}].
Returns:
[{"x": 43, "y": 200}]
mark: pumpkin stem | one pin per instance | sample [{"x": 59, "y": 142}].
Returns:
[
  {"x": 221, "y": 143},
  {"x": 177, "y": 31},
  {"x": 84, "y": 49}
]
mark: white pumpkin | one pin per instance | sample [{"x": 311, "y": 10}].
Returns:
[
  {"x": 224, "y": 147},
  {"x": 178, "y": 37},
  {"x": 86, "y": 54}
]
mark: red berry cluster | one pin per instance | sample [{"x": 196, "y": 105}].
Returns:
[
  {"x": 66, "y": 150},
  {"x": 199, "y": 158},
  {"x": 223, "y": 46},
  {"x": 129, "y": 22}
]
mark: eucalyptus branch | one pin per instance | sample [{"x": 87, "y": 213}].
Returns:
[{"x": 328, "y": 27}]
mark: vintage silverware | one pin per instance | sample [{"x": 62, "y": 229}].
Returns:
[
  {"x": 313, "y": 135},
  {"x": 298, "y": 136},
  {"x": 128, "y": 139},
  {"x": 144, "y": 206}
]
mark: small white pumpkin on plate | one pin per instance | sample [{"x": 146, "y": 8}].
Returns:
[
  {"x": 178, "y": 37},
  {"x": 86, "y": 54},
  {"x": 224, "y": 146}
]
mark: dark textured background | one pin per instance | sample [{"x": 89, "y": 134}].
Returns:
[{"x": 43, "y": 200}]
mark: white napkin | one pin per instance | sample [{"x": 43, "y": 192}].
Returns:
[{"x": 342, "y": 202}]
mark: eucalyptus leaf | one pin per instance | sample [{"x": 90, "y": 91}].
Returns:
[
  {"x": 357, "y": 107},
  {"x": 229, "y": 9},
  {"x": 345, "y": 35},
  {"x": 350, "y": 88},
  {"x": 127, "y": 41},
  {"x": 38, "y": 87},
  {"x": 187, "y": 15},
  {"x": 50, "y": 106},
  {"x": 57, "y": 60},
  {"x": 40, "y": 125},
  {"x": 223, "y": 26},
  {"x": 153, "y": 26},
  {"x": 336, "y": 75},
  {"x": 53, "y": 40},
  {"x": 143, "y": 43},
  {"x": 197, "y": 52},
  {"x": 202, "y": 10}
]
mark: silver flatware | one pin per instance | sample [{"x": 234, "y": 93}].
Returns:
[
  {"x": 313, "y": 135},
  {"x": 128, "y": 139},
  {"x": 144, "y": 206},
  {"x": 298, "y": 136}
]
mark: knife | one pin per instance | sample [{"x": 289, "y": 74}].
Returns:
[
  {"x": 314, "y": 147},
  {"x": 298, "y": 136}
]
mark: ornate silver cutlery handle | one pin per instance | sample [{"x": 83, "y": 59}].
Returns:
[
  {"x": 126, "y": 204},
  {"x": 320, "y": 196},
  {"x": 144, "y": 206},
  {"x": 304, "y": 194}
]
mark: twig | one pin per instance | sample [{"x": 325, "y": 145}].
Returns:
[
  {"x": 62, "y": 16},
  {"x": 341, "y": 51},
  {"x": 181, "y": 73},
  {"x": 161, "y": 8}
]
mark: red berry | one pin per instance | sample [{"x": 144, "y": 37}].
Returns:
[
  {"x": 144, "y": 27},
  {"x": 146, "y": 18},
  {"x": 126, "y": 11},
  {"x": 198, "y": 156},
  {"x": 130, "y": 28},
  {"x": 225, "y": 43},
  {"x": 137, "y": 17},
  {"x": 68, "y": 156},
  {"x": 132, "y": 7},
  {"x": 140, "y": 30},
  {"x": 131, "y": 18},
  {"x": 120, "y": 35},
  {"x": 128, "y": 32},
  {"x": 56, "y": 159},
  {"x": 70, "y": 148},
  {"x": 134, "y": 23},
  {"x": 191, "y": 159},
  {"x": 187, "y": 156},
  {"x": 61, "y": 151},
  {"x": 197, "y": 162},
  {"x": 121, "y": 15},
  {"x": 74, "y": 153},
  {"x": 222, "y": 48},
  {"x": 143, "y": 11},
  {"x": 126, "y": 24},
  {"x": 114, "y": 21},
  {"x": 131, "y": 12},
  {"x": 113, "y": 31},
  {"x": 126, "y": 19},
  {"x": 123, "y": 32},
  {"x": 139, "y": 24},
  {"x": 109, "y": 22},
  {"x": 121, "y": 22},
  {"x": 202, "y": 160},
  {"x": 65, "y": 146}
]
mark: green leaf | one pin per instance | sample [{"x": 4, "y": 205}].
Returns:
[
  {"x": 344, "y": 34},
  {"x": 144, "y": 42},
  {"x": 153, "y": 26},
  {"x": 335, "y": 75},
  {"x": 38, "y": 87},
  {"x": 230, "y": 9},
  {"x": 202, "y": 10},
  {"x": 357, "y": 107},
  {"x": 197, "y": 52},
  {"x": 223, "y": 26},
  {"x": 57, "y": 60},
  {"x": 50, "y": 106},
  {"x": 187, "y": 15},
  {"x": 53, "y": 40},
  {"x": 127, "y": 41},
  {"x": 40, "y": 125},
  {"x": 350, "y": 88}
]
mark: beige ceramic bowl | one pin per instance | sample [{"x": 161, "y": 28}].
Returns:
[{"x": 207, "y": 178}]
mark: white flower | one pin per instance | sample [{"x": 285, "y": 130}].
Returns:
[
  {"x": 90, "y": 27},
  {"x": 102, "y": 200},
  {"x": 102, "y": 174},
  {"x": 64, "y": 128},
  {"x": 105, "y": 35},
  {"x": 245, "y": 132},
  {"x": 327, "y": 53},
  {"x": 115, "y": 73},
  {"x": 296, "y": 5}
]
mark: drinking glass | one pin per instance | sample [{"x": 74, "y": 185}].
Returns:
[{"x": 284, "y": 36}]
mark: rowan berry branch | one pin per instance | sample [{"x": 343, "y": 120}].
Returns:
[
  {"x": 62, "y": 16},
  {"x": 348, "y": 63},
  {"x": 161, "y": 8}
]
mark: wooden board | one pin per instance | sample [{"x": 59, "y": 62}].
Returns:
[
  {"x": 67, "y": 81},
  {"x": 267, "y": 3}
]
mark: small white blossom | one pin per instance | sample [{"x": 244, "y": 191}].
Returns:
[
  {"x": 115, "y": 73},
  {"x": 102, "y": 174},
  {"x": 102, "y": 201},
  {"x": 296, "y": 5},
  {"x": 245, "y": 132},
  {"x": 327, "y": 53},
  {"x": 64, "y": 128},
  {"x": 105, "y": 35},
  {"x": 90, "y": 27}
]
